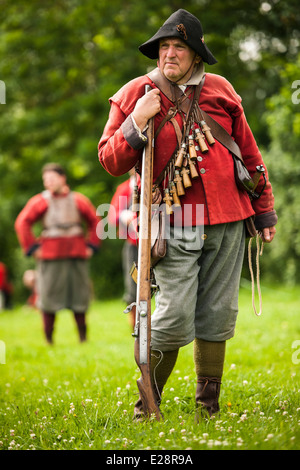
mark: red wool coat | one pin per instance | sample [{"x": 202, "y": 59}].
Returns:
[
  {"x": 62, "y": 247},
  {"x": 120, "y": 202},
  {"x": 120, "y": 148}
]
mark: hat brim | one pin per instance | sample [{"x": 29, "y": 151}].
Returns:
[{"x": 150, "y": 48}]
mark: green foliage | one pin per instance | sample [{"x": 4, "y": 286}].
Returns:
[
  {"x": 282, "y": 158},
  {"x": 61, "y": 61}
]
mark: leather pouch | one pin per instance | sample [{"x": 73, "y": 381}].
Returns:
[
  {"x": 242, "y": 177},
  {"x": 158, "y": 230},
  {"x": 244, "y": 181},
  {"x": 159, "y": 247}
]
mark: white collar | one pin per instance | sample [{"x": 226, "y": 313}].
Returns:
[{"x": 196, "y": 77}]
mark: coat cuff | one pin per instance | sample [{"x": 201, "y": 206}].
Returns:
[
  {"x": 269, "y": 219},
  {"x": 132, "y": 134},
  {"x": 32, "y": 249},
  {"x": 94, "y": 247}
]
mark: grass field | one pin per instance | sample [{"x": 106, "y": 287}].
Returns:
[{"x": 81, "y": 396}]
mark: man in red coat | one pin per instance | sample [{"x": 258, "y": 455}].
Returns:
[
  {"x": 62, "y": 250},
  {"x": 121, "y": 215},
  {"x": 198, "y": 282}
]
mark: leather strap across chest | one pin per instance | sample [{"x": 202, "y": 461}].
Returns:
[
  {"x": 175, "y": 94},
  {"x": 183, "y": 105},
  {"x": 171, "y": 90}
]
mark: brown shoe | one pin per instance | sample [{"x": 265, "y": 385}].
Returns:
[
  {"x": 207, "y": 394},
  {"x": 138, "y": 412}
]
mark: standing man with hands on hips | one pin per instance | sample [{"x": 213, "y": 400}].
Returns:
[{"x": 198, "y": 285}]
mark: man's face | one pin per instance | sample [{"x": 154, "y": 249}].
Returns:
[
  {"x": 176, "y": 59},
  {"x": 53, "y": 181}
]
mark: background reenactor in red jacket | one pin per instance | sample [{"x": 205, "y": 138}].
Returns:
[
  {"x": 63, "y": 248},
  {"x": 122, "y": 216},
  {"x": 6, "y": 288}
]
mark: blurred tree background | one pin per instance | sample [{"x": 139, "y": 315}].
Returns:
[{"x": 62, "y": 60}]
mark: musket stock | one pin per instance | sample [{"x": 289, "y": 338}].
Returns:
[{"x": 142, "y": 331}]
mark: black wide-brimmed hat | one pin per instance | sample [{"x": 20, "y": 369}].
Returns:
[{"x": 185, "y": 26}]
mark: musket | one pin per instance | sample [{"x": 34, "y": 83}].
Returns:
[{"x": 142, "y": 329}]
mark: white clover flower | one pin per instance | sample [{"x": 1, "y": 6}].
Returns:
[
  {"x": 243, "y": 417},
  {"x": 217, "y": 443}
]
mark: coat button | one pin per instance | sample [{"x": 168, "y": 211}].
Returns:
[
  {"x": 202, "y": 171},
  {"x": 199, "y": 158}
]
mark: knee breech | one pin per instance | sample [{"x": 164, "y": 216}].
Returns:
[{"x": 198, "y": 286}]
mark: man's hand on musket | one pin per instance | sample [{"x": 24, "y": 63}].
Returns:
[{"x": 146, "y": 107}]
